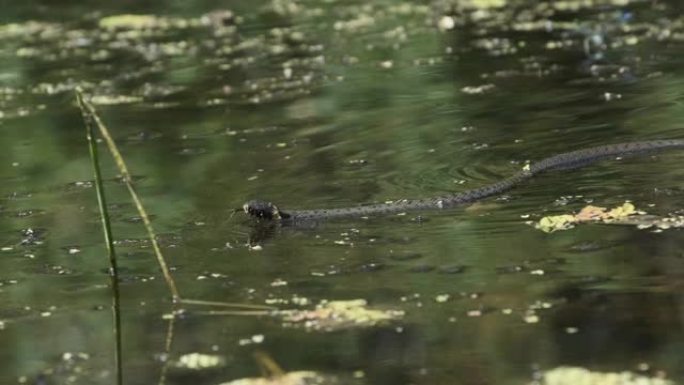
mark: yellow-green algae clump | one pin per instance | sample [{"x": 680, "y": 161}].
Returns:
[
  {"x": 566, "y": 375},
  {"x": 336, "y": 315},
  {"x": 589, "y": 213}
]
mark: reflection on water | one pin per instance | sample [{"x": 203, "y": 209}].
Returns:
[{"x": 328, "y": 104}]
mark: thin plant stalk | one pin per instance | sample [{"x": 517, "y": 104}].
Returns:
[
  {"x": 109, "y": 240},
  {"x": 92, "y": 119},
  {"x": 250, "y": 313},
  {"x": 226, "y": 304},
  {"x": 167, "y": 345},
  {"x": 89, "y": 111}
]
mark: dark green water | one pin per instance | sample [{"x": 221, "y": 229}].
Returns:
[{"x": 326, "y": 104}]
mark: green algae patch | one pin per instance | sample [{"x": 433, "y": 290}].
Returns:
[
  {"x": 575, "y": 375},
  {"x": 29, "y": 28},
  {"x": 589, "y": 213},
  {"x": 485, "y": 4},
  {"x": 140, "y": 22},
  {"x": 337, "y": 315},
  {"x": 128, "y": 21}
]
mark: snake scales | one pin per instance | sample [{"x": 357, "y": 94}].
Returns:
[{"x": 268, "y": 211}]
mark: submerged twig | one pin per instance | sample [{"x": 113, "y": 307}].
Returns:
[
  {"x": 226, "y": 304},
  {"x": 109, "y": 240},
  {"x": 251, "y": 313},
  {"x": 269, "y": 368}
]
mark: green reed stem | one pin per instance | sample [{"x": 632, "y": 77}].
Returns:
[
  {"x": 92, "y": 120},
  {"x": 167, "y": 345},
  {"x": 107, "y": 228},
  {"x": 89, "y": 111}
]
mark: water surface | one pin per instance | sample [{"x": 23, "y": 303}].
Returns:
[{"x": 328, "y": 104}]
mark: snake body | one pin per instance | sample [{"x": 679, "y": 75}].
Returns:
[{"x": 268, "y": 211}]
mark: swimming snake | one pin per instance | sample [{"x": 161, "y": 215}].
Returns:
[{"x": 268, "y": 211}]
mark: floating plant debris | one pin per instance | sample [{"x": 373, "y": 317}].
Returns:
[
  {"x": 199, "y": 361},
  {"x": 589, "y": 213},
  {"x": 567, "y": 375},
  {"x": 626, "y": 214},
  {"x": 290, "y": 378},
  {"x": 336, "y": 315}
]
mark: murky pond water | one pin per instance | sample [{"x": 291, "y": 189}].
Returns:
[{"x": 330, "y": 104}]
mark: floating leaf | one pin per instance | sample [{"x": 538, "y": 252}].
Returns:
[
  {"x": 575, "y": 375},
  {"x": 335, "y": 315},
  {"x": 556, "y": 222}
]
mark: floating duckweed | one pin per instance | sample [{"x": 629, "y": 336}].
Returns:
[
  {"x": 128, "y": 21},
  {"x": 361, "y": 21},
  {"x": 531, "y": 318},
  {"x": 576, "y": 5},
  {"x": 255, "y": 339},
  {"x": 198, "y": 361},
  {"x": 442, "y": 298},
  {"x": 29, "y": 28}
]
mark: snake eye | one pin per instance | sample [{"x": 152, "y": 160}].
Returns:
[{"x": 261, "y": 209}]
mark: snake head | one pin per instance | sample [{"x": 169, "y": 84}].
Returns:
[{"x": 263, "y": 210}]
